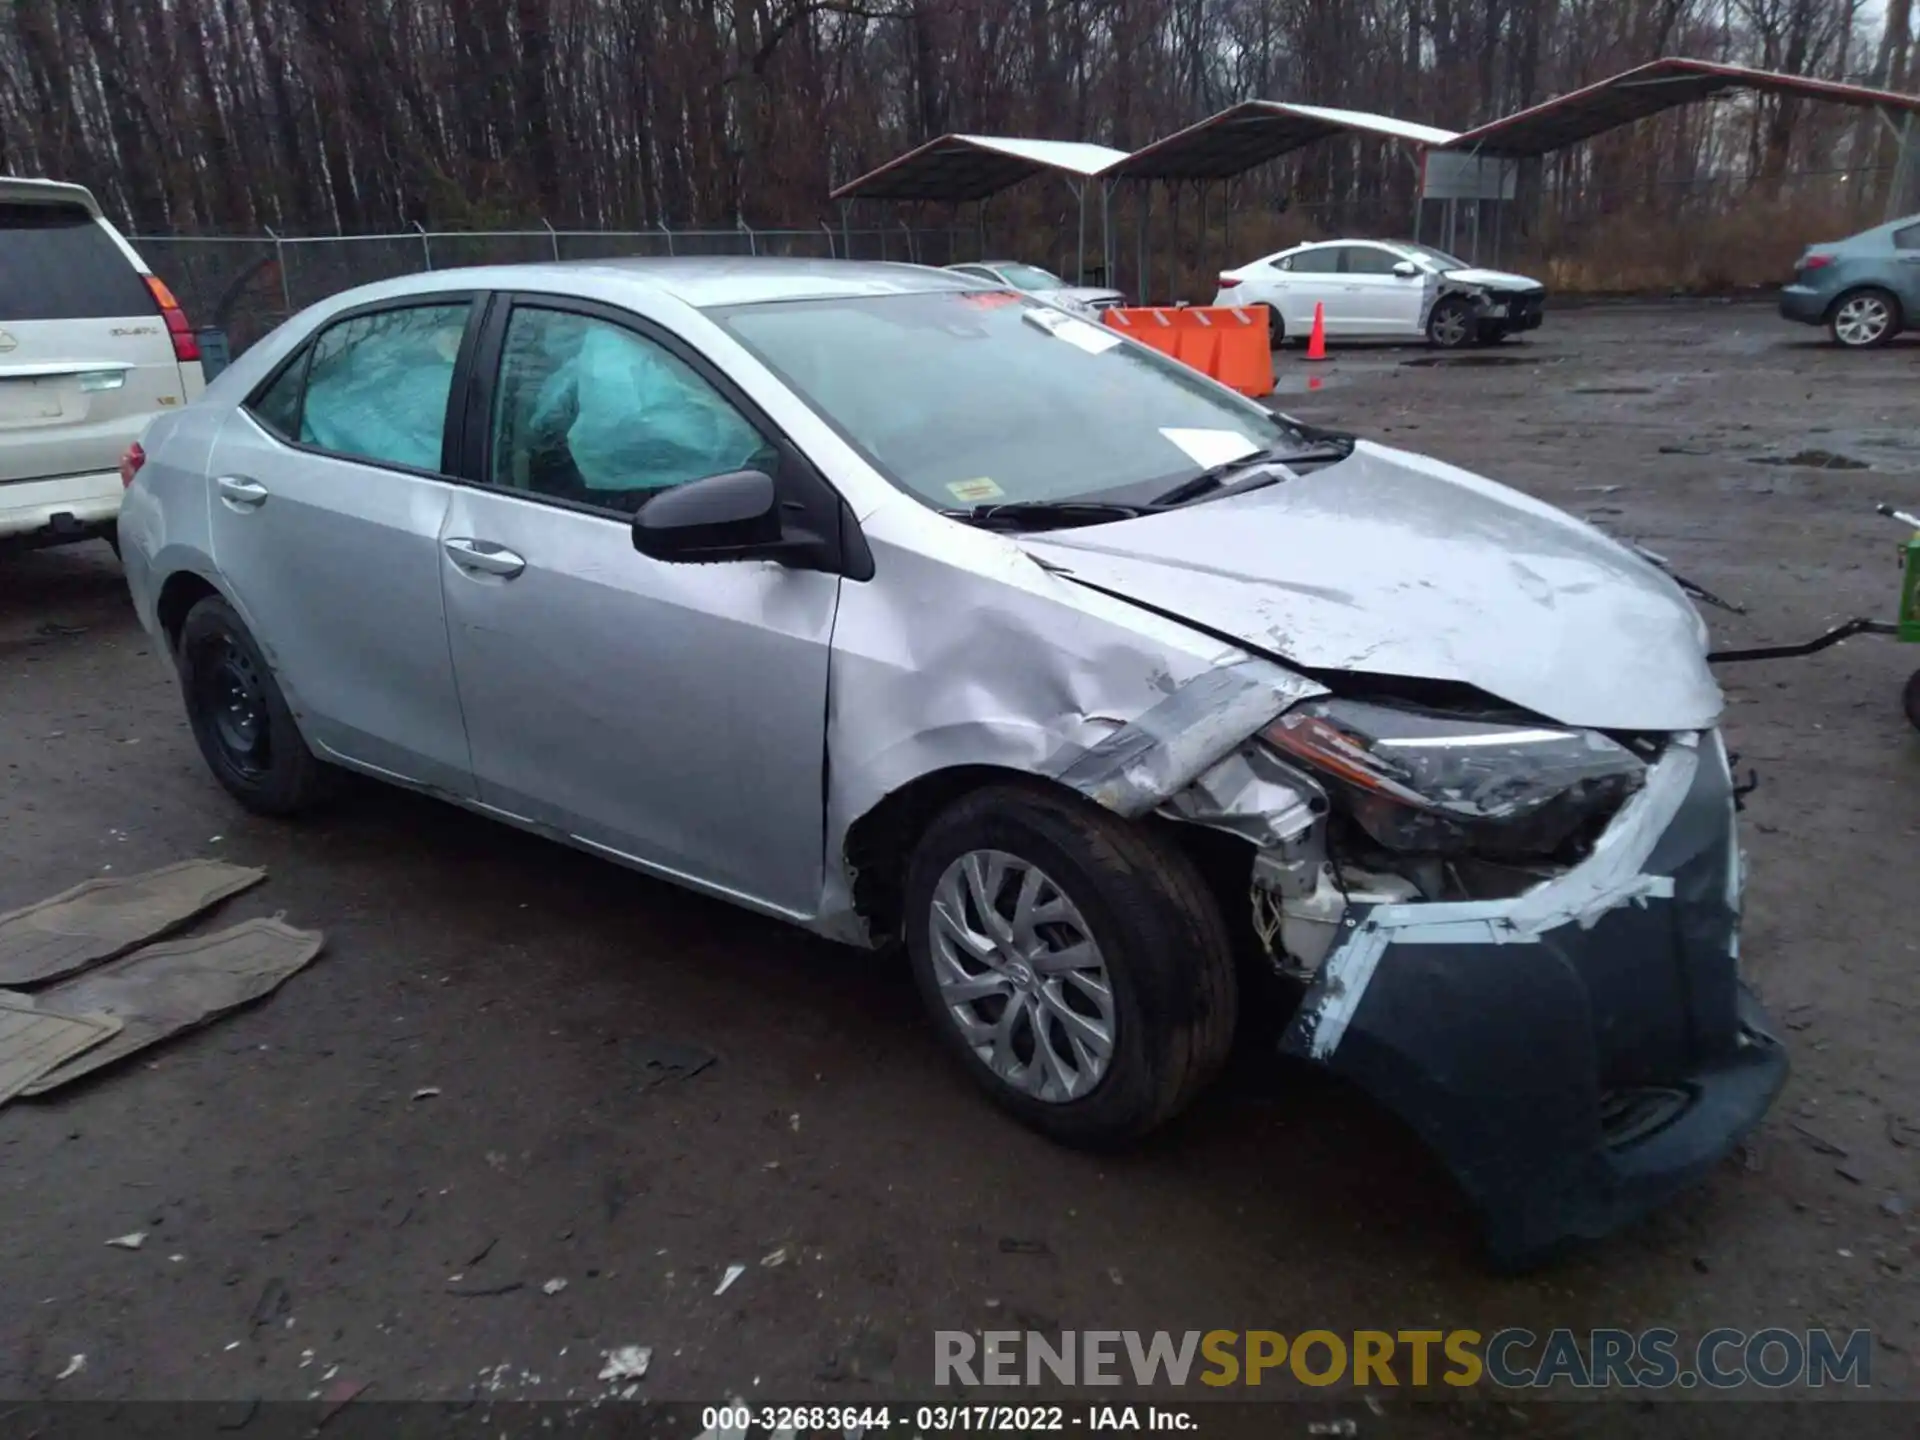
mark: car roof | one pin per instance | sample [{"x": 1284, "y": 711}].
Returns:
[
  {"x": 18, "y": 188},
  {"x": 704, "y": 282}
]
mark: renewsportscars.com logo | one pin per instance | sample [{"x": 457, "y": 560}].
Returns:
[{"x": 1512, "y": 1358}]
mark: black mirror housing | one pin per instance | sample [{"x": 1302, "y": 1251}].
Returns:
[{"x": 734, "y": 516}]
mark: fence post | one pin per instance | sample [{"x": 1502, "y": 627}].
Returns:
[
  {"x": 740, "y": 222},
  {"x": 280, "y": 264},
  {"x": 553, "y": 235},
  {"x": 831, "y": 253},
  {"x": 669, "y": 234},
  {"x": 425, "y": 249},
  {"x": 912, "y": 257}
]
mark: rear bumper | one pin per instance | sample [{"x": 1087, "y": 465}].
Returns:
[
  {"x": 1574, "y": 1064},
  {"x": 52, "y": 512},
  {"x": 1804, "y": 304}
]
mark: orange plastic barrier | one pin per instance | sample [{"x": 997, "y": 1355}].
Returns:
[{"x": 1227, "y": 342}]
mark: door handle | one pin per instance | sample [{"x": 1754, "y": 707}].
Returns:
[
  {"x": 241, "y": 493},
  {"x": 483, "y": 557}
]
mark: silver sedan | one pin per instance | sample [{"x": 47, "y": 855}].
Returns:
[{"x": 915, "y": 612}]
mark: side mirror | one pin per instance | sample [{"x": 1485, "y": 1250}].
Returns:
[
  {"x": 1405, "y": 269},
  {"x": 735, "y": 516}
]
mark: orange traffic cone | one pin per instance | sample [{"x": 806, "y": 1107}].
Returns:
[{"x": 1317, "y": 341}]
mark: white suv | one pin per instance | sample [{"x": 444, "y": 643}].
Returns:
[{"x": 92, "y": 346}]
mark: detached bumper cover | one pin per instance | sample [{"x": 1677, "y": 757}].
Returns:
[{"x": 1580, "y": 1054}]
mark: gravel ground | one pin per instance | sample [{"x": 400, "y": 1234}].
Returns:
[{"x": 305, "y": 1211}]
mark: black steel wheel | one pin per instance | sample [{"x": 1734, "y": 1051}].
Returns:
[{"x": 240, "y": 719}]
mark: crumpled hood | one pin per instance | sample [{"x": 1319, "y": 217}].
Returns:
[
  {"x": 1390, "y": 563},
  {"x": 1495, "y": 279}
]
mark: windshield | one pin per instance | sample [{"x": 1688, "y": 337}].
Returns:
[
  {"x": 1438, "y": 257},
  {"x": 1030, "y": 277},
  {"x": 964, "y": 398}
]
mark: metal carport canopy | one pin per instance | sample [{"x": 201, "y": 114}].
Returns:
[
  {"x": 1647, "y": 90},
  {"x": 1256, "y": 131},
  {"x": 960, "y": 168}
]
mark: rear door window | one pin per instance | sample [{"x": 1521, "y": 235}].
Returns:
[
  {"x": 373, "y": 386},
  {"x": 1315, "y": 262},
  {"x": 58, "y": 263},
  {"x": 1907, "y": 239}
]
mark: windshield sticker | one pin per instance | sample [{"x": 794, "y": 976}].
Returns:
[
  {"x": 1210, "y": 447},
  {"x": 974, "y": 492},
  {"x": 1094, "y": 339}
]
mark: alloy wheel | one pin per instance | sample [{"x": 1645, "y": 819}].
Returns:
[
  {"x": 1450, "y": 327},
  {"x": 1021, "y": 976},
  {"x": 1862, "y": 320}
]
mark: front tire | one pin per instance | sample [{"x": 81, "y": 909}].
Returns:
[
  {"x": 1075, "y": 962},
  {"x": 1864, "y": 319},
  {"x": 240, "y": 720},
  {"x": 1910, "y": 699},
  {"x": 1451, "y": 324}
]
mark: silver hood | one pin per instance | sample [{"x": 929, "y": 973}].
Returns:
[{"x": 1390, "y": 563}]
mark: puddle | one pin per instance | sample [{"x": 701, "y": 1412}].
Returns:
[
  {"x": 1468, "y": 362},
  {"x": 1812, "y": 460},
  {"x": 1611, "y": 390}
]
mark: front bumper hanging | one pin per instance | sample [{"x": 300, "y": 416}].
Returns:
[{"x": 1577, "y": 1056}]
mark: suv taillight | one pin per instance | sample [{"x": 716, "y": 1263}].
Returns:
[
  {"x": 186, "y": 345},
  {"x": 130, "y": 464}
]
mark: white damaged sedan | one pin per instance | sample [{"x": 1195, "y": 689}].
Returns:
[{"x": 912, "y": 611}]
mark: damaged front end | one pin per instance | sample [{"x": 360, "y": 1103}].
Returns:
[{"x": 1521, "y": 937}]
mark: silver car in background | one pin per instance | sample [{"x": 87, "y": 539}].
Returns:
[
  {"x": 1086, "y": 300},
  {"x": 920, "y": 614}
]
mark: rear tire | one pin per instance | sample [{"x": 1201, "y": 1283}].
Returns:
[
  {"x": 1864, "y": 319},
  {"x": 240, "y": 719},
  {"x": 1276, "y": 328},
  {"x": 1910, "y": 699},
  {"x": 1104, "y": 996},
  {"x": 1451, "y": 325}
]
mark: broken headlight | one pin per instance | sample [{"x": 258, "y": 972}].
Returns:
[{"x": 1426, "y": 784}]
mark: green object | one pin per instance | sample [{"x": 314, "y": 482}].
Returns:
[{"x": 1910, "y": 590}]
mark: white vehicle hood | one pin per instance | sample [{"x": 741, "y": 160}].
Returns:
[
  {"x": 1495, "y": 279},
  {"x": 1389, "y": 563}
]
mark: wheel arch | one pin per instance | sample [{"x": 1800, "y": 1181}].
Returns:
[
  {"x": 179, "y": 593},
  {"x": 879, "y": 845},
  {"x": 1900, "y": 315}
]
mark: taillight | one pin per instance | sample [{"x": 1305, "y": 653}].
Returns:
[
  {"x": 130, "y": 463},
  {"x": 1227, "y": 282},
  {"x": 1816, "y": 262},
  {"x": 186, "y": 346}
]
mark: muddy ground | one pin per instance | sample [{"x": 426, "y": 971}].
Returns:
[{"x": 637, "y": 1088}]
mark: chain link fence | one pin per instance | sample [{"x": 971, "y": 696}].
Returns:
[{"x": 245, "y": 285}]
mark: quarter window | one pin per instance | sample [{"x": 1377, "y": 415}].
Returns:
[
  {"x": 590, "y": 412},
  {"x": 1907, "y": 239}
]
